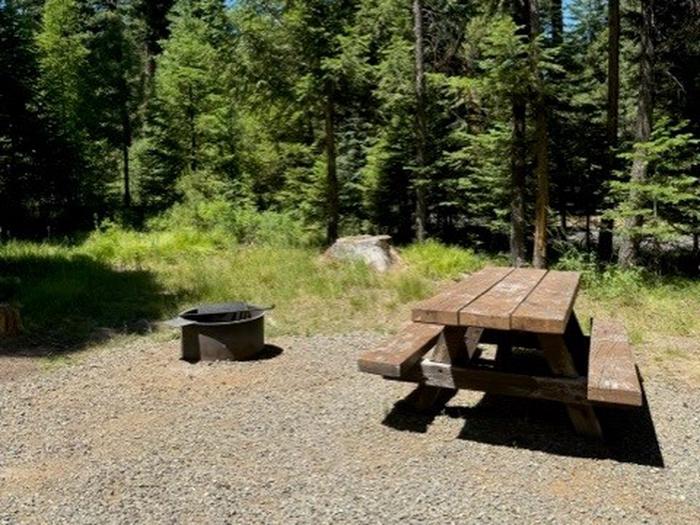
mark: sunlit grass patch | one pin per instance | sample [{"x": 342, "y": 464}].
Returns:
[
  {"x": 647, "y": 306},
  {"x": 435, "y": 260}
]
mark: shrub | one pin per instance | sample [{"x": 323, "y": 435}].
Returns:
[
  {"x": 113, "y": 244},
  {"x": 244, "y": 225},
  {"x": 435, "y": 260}
]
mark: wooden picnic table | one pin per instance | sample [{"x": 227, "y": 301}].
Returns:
[{"x": 513, "y": 309}]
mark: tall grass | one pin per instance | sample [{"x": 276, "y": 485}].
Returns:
[
  {"x": 122, "y": 280},
  {"x": 651, "y": 305},
  {"x": 435, "y": 260}
]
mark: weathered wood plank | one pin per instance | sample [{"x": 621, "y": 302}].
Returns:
[
  {"x": 472, "y": 337},
  {"x": 548, "y": 308},
  {"x": 402, "y": 351},
  {"x": 567, "y": 390},
  {"x": 612, "y": 374},
  {"x": 444, "y": 307},
  {"x": 494, "y": 308}
]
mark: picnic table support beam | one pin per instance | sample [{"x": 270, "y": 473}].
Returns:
[
  {"x": 449, "y": 348},
  {"x": 561, "y": 363},
  {"x": 447, "y": 378},
  {"x": 504, "y": 349},
  {"x": 577, "y": 344}
]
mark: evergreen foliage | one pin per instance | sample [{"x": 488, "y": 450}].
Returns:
[{"x": 205, "y": 113}]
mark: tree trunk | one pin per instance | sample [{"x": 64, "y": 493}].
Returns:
[
  {"x": 605, "y": 236},
  {"x": 420, "y": 123},
  {"x": 192, "y": 117},
  {"x": 517, "y": 179},
  {"x": 331, "y": 172},
  {"x": 557, "y": 23},
  {"x": 517, "y": 162},
  {"x": 557, "y": 19},
  {"x": 539, "y": 253},
  {"x": 588, "y": 230},
  {"x": 126, "y": 142},
  {"x": 629, "y": 243},
  {"x": 10, "y": 322},
  {"x": 127, "y": 188},
  {"x": 123, "y": 101}
]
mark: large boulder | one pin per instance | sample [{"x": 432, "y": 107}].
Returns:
[{"x": 375, "y": 250}]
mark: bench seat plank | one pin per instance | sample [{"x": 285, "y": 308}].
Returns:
[
  {"x": 400, "y": 353},
  {"x": 612, "y": 374},
  {"x": 548, "y": 308},
  {"x": 444, "y": 307},
  {"x": 494, "y": 308}
]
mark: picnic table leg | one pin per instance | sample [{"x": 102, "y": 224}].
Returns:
[
  {"x": 449, "y": 349},
  {"x": 577, "y": 344},
  {"x": 427, "y": 398},
  {"x": 561, "y": 363},
  {"x": 504, "y": 350}
]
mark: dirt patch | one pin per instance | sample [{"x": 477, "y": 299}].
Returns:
[{"x": 672, "y": 357}]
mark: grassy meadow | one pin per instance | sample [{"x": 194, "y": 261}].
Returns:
[{"x": 119, "y": 282}]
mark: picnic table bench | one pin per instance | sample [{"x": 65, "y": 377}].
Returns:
[{"x": 512, "y": 308}]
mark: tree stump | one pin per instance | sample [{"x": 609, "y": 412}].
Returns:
[{"x": 10, "y": 323}]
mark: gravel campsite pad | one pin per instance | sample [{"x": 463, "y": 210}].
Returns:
[{"x": 135, "y": 435}]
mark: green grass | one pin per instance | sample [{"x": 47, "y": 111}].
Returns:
[
  {"x": 119, "y": 280},
  {"x": 434, "y": 260}
]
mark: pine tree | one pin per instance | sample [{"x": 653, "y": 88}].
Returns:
[
  {"x": 191, "y": 130},
  {"x": 65, "y": 95},
  {"x": 116, "y": 67},
  {"x": 541, "y": 153},
  {"x": 629, "y": 242},
  {"x": 315, "y": 27},
  {"x": 420, "y": 125},
  {"x": 517, "y": 154},
  {"x": 605, "y": 240}
]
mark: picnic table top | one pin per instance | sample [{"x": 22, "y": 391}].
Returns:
[{"x": 524, "y": 299}]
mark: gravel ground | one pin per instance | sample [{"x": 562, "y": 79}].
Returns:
[{"x": 136, "y": 436}]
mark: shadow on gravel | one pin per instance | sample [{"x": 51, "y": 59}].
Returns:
[
  {"x": 630, "y": 436},
  {"x": 268, "y": 352},
  {"x": 404, "y": 416}
]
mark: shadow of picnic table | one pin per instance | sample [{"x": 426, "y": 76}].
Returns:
[{"x": 630, "y": 435}]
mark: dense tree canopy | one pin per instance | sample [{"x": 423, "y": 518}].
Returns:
[{"x": 527, "y": 125}]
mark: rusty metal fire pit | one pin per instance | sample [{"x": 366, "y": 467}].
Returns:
[{"x": 229, "y": 331}]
